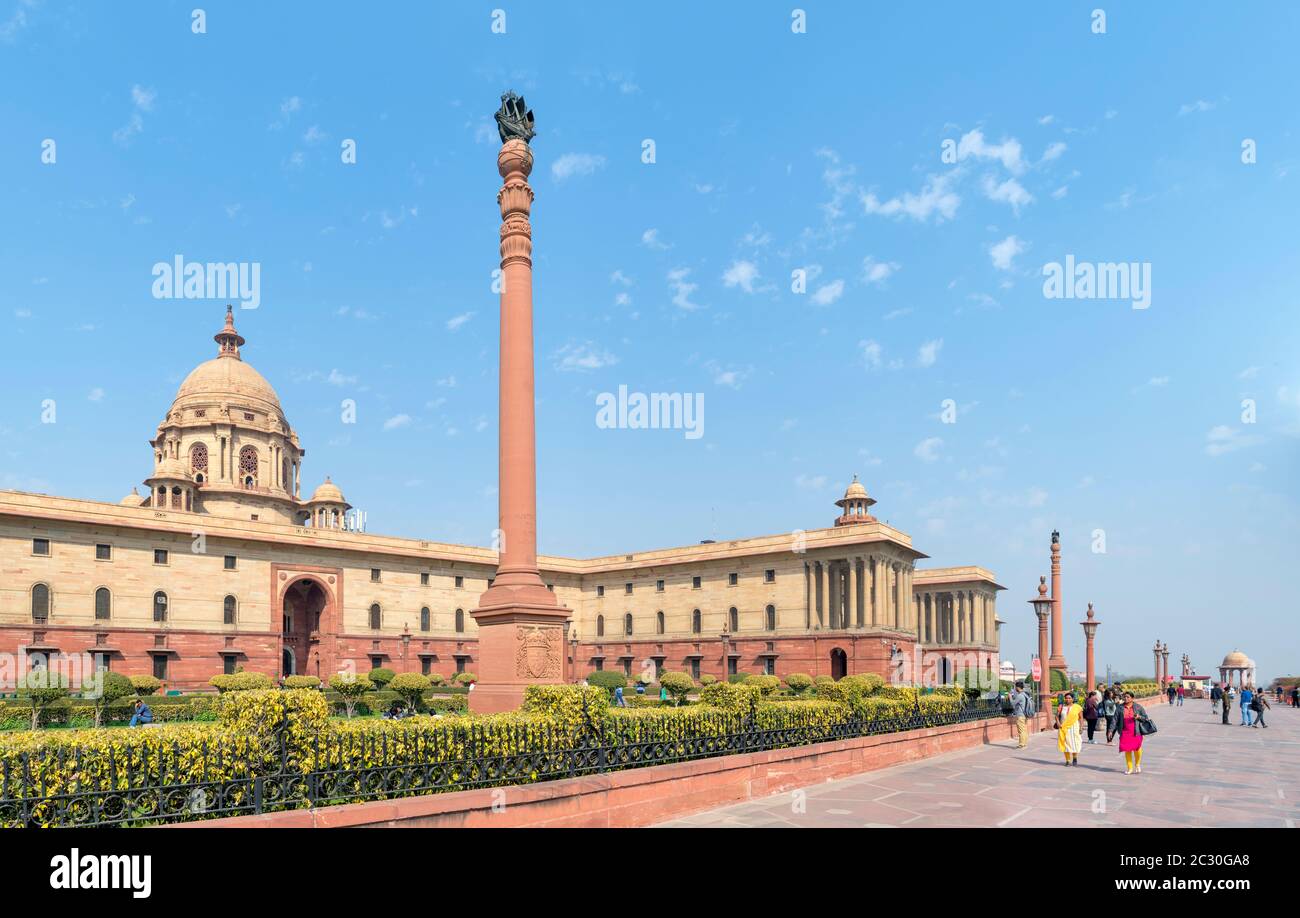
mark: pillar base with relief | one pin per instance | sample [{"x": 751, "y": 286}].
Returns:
[{"x": 520, "y": 643}]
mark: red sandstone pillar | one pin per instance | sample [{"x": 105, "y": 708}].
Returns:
[
  {"x": 1090, "y": 633},
  {"x": 1058, "y": 657},
  {"x": 1156, "y": 650},
  {"x": 520, "y": 623}
]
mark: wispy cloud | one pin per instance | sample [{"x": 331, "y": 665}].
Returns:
[{"x": 570, "y": 164}]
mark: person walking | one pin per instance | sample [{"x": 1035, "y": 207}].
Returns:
[
  {"x": 1068, "y": 738},
  {"x": 1216, "y": 695},
  {"x": 1170, "y": 692},
  {"x": 1091, "y": 712},
  {"x": 1128, "y": 727},
  {"x": 1295, "y": 696},
  {"x": 1228, "y": 694},
  {"x": 1181, "y": 693},
  {"x": 619, "y": 700},
  {"x": 1247, "y": 696},
  {"x": 1020, "y": 707},
  {"x": 1109, "y": 708},
  {"x": 1258, "y": 705}
]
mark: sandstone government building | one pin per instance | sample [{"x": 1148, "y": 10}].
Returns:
[{"x": 222, "y": 563}]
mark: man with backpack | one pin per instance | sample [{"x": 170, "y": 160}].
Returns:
[{"x": 1258, "y": 704}]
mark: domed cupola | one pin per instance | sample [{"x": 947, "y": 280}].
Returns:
[
  {"x": 171, "y": 486},
  {"x": 327, "y": 509},
  {"x": 853, "y": 505},
  {"x": 226, "y": 439}
]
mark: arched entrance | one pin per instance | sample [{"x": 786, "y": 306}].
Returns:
[
  {"x": 839, "y": 663},
  {"x": 304, "y": 601}
]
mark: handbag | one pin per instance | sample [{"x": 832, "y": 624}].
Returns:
[{"x": 1145, "y": 726}]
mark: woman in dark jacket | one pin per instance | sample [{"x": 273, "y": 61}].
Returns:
[
  {"x": 1126, "y": 728},
  {"x": 1091, "y": 713},
  {"x": 1108, "y": 709}
]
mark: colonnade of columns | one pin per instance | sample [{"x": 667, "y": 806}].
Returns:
[
  {"x": 1244, "y": 676},
  {"x": 956, "y": 617},
  {"x": 860, "y": 591}
]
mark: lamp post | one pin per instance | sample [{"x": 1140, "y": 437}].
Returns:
[
  {"x": 1164, "y": 665},
  {"x": 1090, "y": 633},
  {"x": 1156, "y": 651},
  {"x": 726, "y": 650},
  {"x": 573, "y": 654},
  {"x": 1042, "y": 604}
]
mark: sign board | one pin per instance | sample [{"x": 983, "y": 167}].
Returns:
[{"x": 1037, "y": 669}]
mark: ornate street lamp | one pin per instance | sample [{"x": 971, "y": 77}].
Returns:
[
  {"x": 1042, "y": 604},
  {"x": 1090, "y": 633}
]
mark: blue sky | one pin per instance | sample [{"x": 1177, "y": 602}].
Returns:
[{"x": 774, "y": 151}]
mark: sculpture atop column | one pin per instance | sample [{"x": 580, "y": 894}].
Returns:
[{"x": 520, "y": 622}]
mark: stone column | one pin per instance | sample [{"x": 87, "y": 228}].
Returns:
[
  {"x": 810, "y": 592},
  {"x": 1090, "y": 633},
  {"x": 875, "y": 590},
  {"x": 824, "y": 581},
  {"x": 1156, "y": 650},
  {"x": 520, "y": 622},
  {"x": 855, "y": 615},
  {"x": 1058, "y": 656}
]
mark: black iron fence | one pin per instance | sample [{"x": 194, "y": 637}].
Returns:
[{"x": 232, "y": 776}]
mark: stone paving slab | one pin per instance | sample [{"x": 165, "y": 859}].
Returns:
[{"x": 1196, "y": 773}]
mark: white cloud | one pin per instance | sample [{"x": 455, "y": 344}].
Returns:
[
  {"x": 582, "y": 358},
  {"x": 336, "y": 378},
  {"x": 650, "y": 239},
  {"x": 1053, "y": 151},
  {"x": 1003, "y": 252},
  {"x": 872, "y": 353},
  {"x": 682, "y": 289},
  {"x": 828, "y": 293},
  {"x": 618, "y": 277},
  {"x": 928, "y": 449},
  {"x": 96, "y": 394},
  {"x": 877, "y": 272},
  {"x": 730, "y": 377},
  {"x": 396, "y": 421},
  {"x": 810, "y": 482},
  {"x": 1200, "y": 105},
  {"x": 314, "y": 135},
  {"x": 455, "y": 322},
  {"x": 1008, "y": 152},
  {"x": 1007, "y": 192},
  {"x": 928, "y": 353},
  {"x": 571, "y": 164},
  {"x": 1249, "y": 373},
  {"x": 1223, "y": 439},
  {"x": 143, "y": 98},
  {"x": 741, "y": 274},
  {"x": 935, "y": 198}
]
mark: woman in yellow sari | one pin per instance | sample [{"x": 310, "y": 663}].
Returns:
[{"x": 1068, "y": 738}]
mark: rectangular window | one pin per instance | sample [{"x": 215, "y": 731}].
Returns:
[
  {"x": 627, "y": 667},
  {"x": 600, "y": 591},
  {"x": 40, "y": 546},
  {"x": 424, "y": 579},
  {"x": 229, "y": 562},
  {"x": 695, "y": 583},
  {"x": 695, "y": 668},
  {"x": 374, "y": 575},
  {"x": 659, "y": 586},
  {"x": 460, "y": 664},
  {"x": 769, "y": 576},
  {"x": 426, "y": 665},
  {"x": 160, "y": 556},
  {"x": 160, "y": 666},
  {"x": 733, "y": 579},
  {"x": 551, "y": 587},
  {"x": 103, "y": 663},
  {"x": 600, "y": 666},
  {"x": 769, "y": 666},
  {"x": 228, "y": 664},
  {"x": 731, "y": 666},
  {"x": 103, "y": 552},
  {"x": 460, "y": 583},
  {"x": 376, "y": 662},
  {"x": 627, "y": 589}
]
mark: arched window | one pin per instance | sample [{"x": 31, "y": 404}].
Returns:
[
  {"x": 600, "y": 626},
  {"x": 695, "y": 621},
  {"x": 376, "y": 616},
  {"x": 769, "y": 618},
  {"x": 627, "y": 623},
  {"x": 199, "y": 457},
  {"x": 103, "y": 604},
  {"x": 733, "y": 619},
  {"x": 248, "y": 466},
  {"x": 424, "y": 618},
  {"x": 40, "y": 602},
  {"x": 659, "y": 623},
  {"x": 460, "y": 620},
  {"x": 228, "y": 607},
  {"x": 160, "y": 606},
  {"x": 284, "y": 475}
]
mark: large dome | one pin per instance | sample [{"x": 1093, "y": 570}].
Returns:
[
  {"x": 227, "y": 379},
  {"x": 1236, "y": 659}
]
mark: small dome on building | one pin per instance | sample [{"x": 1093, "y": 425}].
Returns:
[
  {"x": 328, "y": 492},
  {"x": 1237, "y": 659},
  {"x": 855, "y": 489},
  {"x": 171, "y": 470},
  {"x": 134, "y": 499},
  {"x": 854, "y": 505}
]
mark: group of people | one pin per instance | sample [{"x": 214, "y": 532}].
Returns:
[
  {"x": 1254, "y": 702},
  {"x": 1123, "y": 717}
]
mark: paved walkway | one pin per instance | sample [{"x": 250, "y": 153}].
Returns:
[{"x": 1195, "y": 772}]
